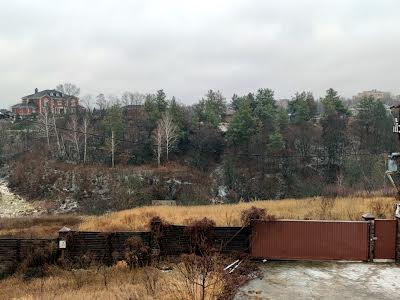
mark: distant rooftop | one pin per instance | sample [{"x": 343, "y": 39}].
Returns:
[
  {"x": 24, "y": 105},
  {"x": 50, "y": 93}
]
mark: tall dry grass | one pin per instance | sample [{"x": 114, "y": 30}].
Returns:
[
  {"x": 344, "y": 208},
  {"x": 117, "y": 282},
  {"x": 37, "y": 227},
  {"x": 347, "y": 208}
]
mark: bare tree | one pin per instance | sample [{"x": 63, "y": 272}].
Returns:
[
  {"x": 60, "y": 152},
  {"x": 203, "y": 275},
  {"x": 87, "y": 101},
  {"x": 158, "y": 138},
  {"x": 101, "y": 101},
  {"x": 170, "y": 132},
  {"x": 69, "y": 89},
  {"x": 73, "y": 134},
  {"x": 43, "y": 125},
  {"x": 129, "y": 98},
  {"x": 112, "y": 148},
  {"x": 113, "y": 100},
  {"x": 84, "y": 129}
]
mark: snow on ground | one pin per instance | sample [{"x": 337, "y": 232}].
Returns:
[
  {"x": 324, "y": 280},
  {"x": 12, "y": 205}
]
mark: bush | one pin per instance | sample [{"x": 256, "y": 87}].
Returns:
[
  {"x": 35, "y": 264},
  {"x": 253, "y": 214},
  {"x": 137, "y": 254},
  {"x": 31, "y": 176},
  {"x": 201, "y": 234}
]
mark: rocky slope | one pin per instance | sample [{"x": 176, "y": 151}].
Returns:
[
  {"x": 12, "y": 205},
  {"x": 97, "y": 189}
]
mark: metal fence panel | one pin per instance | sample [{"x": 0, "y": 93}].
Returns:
[
  {"x": 310, "y": 240},
  {"x": 385, "y": 245}
]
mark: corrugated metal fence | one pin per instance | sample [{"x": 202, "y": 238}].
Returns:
[
  {"x": 385, "y": 233},
  {"x": 310, "y": 240}
]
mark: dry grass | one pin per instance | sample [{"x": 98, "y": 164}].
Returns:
[
  {"x": 348, "y": 208},
  {"x": 117, "y": 282},
  {"x": 36, "y": 227}
]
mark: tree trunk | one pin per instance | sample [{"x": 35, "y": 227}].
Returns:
[
  {"x": 85, "y": 142},
  {"x": 46, "y": 120},
  {"x": 56, "y": 133},
  {"x": 112, "y": 149},
  {"x": 167, "y": 148},
  {"x": 77, "y": 147}
]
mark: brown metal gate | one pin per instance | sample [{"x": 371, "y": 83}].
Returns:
[
  {"x": 385, "y": 244},
  {"x": 310, "y": 240}
]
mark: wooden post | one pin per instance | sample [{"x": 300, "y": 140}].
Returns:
[
  {"x": 371, "y": 236},
  {"x": 62, "y": 241},
  {"x": 18, "y": 254}
]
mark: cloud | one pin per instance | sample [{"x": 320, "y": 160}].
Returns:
[{"x": 188, "y": 47}]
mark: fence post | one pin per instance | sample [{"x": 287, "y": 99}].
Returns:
[
  {"x": 371, "y": 236},
  {"x": 398, "y": 232},
  {"x": 62, "y": 241},
  {"x": 156, "y": 228},
  {"x": 18, "y": 254}
]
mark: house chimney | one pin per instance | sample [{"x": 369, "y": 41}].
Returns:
[{"x": 36, "y": 91}]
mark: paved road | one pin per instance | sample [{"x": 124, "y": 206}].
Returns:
[{"x": 324, "y": 280}]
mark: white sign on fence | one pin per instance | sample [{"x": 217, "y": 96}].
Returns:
[{"x": 62, "y": 244}]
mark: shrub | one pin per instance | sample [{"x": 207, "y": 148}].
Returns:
[
  {"x": 255, "y": 213},
  {"x": 137, "y": 254},
  {"x": 203, "y": 275},
  {"x": 201, "y": 234},
  {"x": 35, "y": 264}
]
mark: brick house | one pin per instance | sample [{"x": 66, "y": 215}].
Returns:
[
  {"x": 22, "y": 109},
  {"x": 55, "y": 101}
]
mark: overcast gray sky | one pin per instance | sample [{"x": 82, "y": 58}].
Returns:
[{"x": 188, "y": 47}]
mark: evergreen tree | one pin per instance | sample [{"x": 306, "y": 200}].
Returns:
[
  {"x": 242, "y": 126},
  {"x": 211, "y": 109},
  {"x": 302, "y": 107},
  {"x": 266, "y": 108},
  {"x": 334, "y": 131},
  {"x": 373, "y": 126}
]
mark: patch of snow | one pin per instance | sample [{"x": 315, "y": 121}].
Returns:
[
  {"x": 222, "y": 191},
  {"x": 355, "y": 271},
  {"x": 387, "y": 279},
  {"x": 313, "y": 273},
  {"x": 69, "y": 204},
  {"x": 12, "y": 205}
]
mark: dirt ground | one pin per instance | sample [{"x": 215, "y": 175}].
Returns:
[{"x": 324, "y": 280}]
